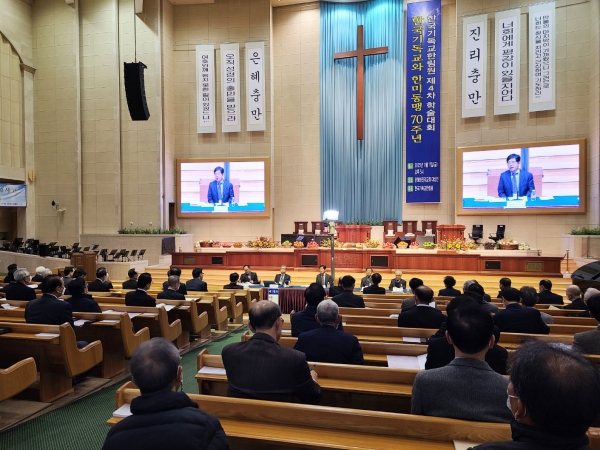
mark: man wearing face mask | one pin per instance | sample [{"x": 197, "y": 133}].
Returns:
[{"x": 49, "y": 309}]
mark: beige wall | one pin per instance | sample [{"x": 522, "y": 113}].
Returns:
[{"x": 594, "y": 113}]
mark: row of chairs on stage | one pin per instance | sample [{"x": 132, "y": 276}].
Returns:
[{"x": 477, "y": 233}]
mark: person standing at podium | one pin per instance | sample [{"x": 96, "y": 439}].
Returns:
[
  {"x": 515, "y": 182},
  {"x": 220, "y": 191}
]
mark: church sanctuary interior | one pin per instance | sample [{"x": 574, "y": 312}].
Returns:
[{"x": 272, "y": 138}]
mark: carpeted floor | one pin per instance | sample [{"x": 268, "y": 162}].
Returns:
[{"x": 81, "y": 425}]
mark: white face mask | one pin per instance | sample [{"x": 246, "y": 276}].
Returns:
[{"x": 508, "y": 404}]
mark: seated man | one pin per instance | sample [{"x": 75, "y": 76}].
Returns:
[
  {"x": 9, "y": 276},
  {"x": 366, "y": 280},
  {"x": 49, "y": 309},
  {"x": 18, "y": 290},
  {"x": 306, "y": 320},
  {"x": 140, "y": 297},
  {"x": 196, "y": 283},
  {"x": 347, "y": 298},
  {"x": 374, "y": 287},
  {"x": 552, "y": 396},
  {"x": 233, "y": 282},
  {"x": 423, "y": 315},
  {"x": 588, "y": 342},
  {"x": 101, "y": 283},
  {"x": 504, "y": 283},
  {"x": 546, "y": 296},
  {"x": 248, "y": 276},
  {"x": 282, "y": 278},
  {"x": 449, "y": 291},
  {"x": 324, "y": 279},
  {"x": 413, "y": 284},
  {"x": 172, "y": 291},
  {"x": 162, "y": 416},
  {"x": 517, "y": 319},
  {"x": 68, "y": 275},
  {"x": 176, "y": 271},
  {"x": 80, "y": 301},
  {"x": 79, "y": 272},
  {"x": 131, "y": 283},
  {"x": 39, "y": 270},
  {"x": 529, "y": 300},
  {"x": 261, "y": 369},
  {"x": 573, "y": 294},
  {"x": 336, "y": 290},
  {"x": 486, "y": 304},
  {"x": 327, "y": 343},
  {"x": 397, "y": 282},
  {"x": 467, "y": 388}
]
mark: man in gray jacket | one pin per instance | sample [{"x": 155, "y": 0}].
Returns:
[{"x": 467, "y": 388}]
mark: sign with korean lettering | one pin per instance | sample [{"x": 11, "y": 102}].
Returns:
[
  {"x": 255, "y": 86},
  {"x": 423, "y": 101},
  {"x": 13, "y": 195},
  {"x": 508, "y": 62},
  {"x": 205, "y": 88},
  {"x": 542, "y": 57},
  {"x": 230, "y": 88},
  {"x": 474, "y": 66}
]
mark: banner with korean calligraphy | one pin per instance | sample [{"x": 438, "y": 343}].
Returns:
[
  {"x": 542, "y": 57},
  {"x": 508, "y": 62},
  {"x": 13, "y": 195},
  {"x": 230, "y": 88},
  {"x": 255, "y": 86},
  {"x": 205, "y": 88},
  {"x": 474, "y": 66},
  {"x": 423, "y": 77}
]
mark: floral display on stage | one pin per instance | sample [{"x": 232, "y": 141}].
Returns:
[
  {"x": 456, "y": 244},
  {"x": 262, "y": 242}
]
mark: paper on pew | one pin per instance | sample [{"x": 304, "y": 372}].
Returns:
[
  {"x": 108, "y": 321},
  {"x": 108, "y": 311},
  {"x": 394, "y": 316},
  {"x": 552, "y": 307},
  {"x": 167, "y": 307},
  {"x": 212, "y": 370},
  {"x": 465, "y": 445},
  {"x": 411, "y": 339},
  {"x": 53, "y": 335},
  {"x": 191, "y": 299},
  {"x": 123, "y": 411},
  {"x": 407, "y": 362},
  {"x": 7, "y": 306},
  {"x": 80, "y": 322},
  {"x": 32, "y": 286},
  {"x": 132, "y": 315},
  {"x": 286, "y": 331}
]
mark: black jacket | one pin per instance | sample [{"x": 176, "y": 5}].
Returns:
[
  {"x": 304, "y": 321},
  {"x": 19, "y": 291},
  {"x": 182, "y": 289},
  {"x": 249, "y": 278},
  {"x": 83, "y": 304},
  {"x": 349, "y": 300},
  {"x": 166, "y": 420},
  {"x": 517, "y": 319},
  {"x": 170, "y": 294},
  {"x": 196, "y": 284},
  {"x": 99, "y": 286},
  {"x": 233, "y": 286},
  {"x": 139, "y": 297},
  {"x": 130, "y": 284},
  {"x": 578, "y": 303},
  {"x": 48, "y": 310},
  {"x": 328, "y": 345},
  {"x": 421, "y": 317},
  {"x": 373, "y": 289},
  {"x": 449, "y": 292},
  {"x": 548, "y": 297}
]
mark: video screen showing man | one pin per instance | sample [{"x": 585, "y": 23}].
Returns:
[
  {"x": 220, "y": 191},
  {"x": 515, "y": 182}
]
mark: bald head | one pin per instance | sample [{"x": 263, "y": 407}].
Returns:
[
  {"x": 263, "y": 315},
  {"x": 589, "y": 292},
  {"x": 573, "y": 292}
]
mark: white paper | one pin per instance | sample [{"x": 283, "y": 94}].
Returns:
[
  {"x": 212, "y": 370},
  {"x": 397, "y": 290},
  {"x": 205, "y": 88},
  {"x": 394, "y": 316},
  {"x": 411, "y": 339},
  {"x": 465, "y": 445},
  {"x": 132, "y": 315},
  {"x": 474, "y": 66},
  {"x": 230, "y": 88},
  {"x": 33, "y": 286},
  {"x": 407, "y": 362},
  {"x": 191, "y": 299},
  {"x": 508, "y": 62},
  {"x": 47, "y": 335},
  {"x": 286, "y": 331},
  {"x": 255, "y": 86},
  {"x": 7, "y": 306},
  {"x": 108, "y": 321},
  {"x": 167, "y": 307},
  {"x": 80, "y": 322},
  {"x": 123, "y": 411}
]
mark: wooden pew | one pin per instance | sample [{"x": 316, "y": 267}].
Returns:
[
  {"x": 17, "y": 378},
  {"x": 217, "y": 315},
  {"x": 57, "y": 357},
  {"x": 235, "y": 308},
  {"x": 192, "y": 321},
  {"x": 241, "y": 295}
]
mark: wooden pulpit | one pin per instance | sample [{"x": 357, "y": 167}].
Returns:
[
  {"x": 87, "y": 261},
  {"x": 445, "y": 232},
  {"x": 353, "y": 233}
]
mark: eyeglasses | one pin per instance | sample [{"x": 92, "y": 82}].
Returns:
[{"x": 282, "y": 319}]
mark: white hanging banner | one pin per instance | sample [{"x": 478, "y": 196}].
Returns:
[
  {"x": 230, "y": 87},
  {"x": 508, "y": 62},
  {"x": 542, "y": 57},
  {"x": 255, "y": 86},
  {"x": 474, "y": 66},
  {"x": 205, "y": 88}
]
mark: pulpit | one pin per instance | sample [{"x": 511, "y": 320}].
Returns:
[
  {"x": 317, "y": 226},
  {"x": 300, "y": 227},
  {"x": 87, "y": 261},
  {"x": 390, "y": 230},
  {"x": 353, "y": 233},
  {"x": 445, "y": 232}
]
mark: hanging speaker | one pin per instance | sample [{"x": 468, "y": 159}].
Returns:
[{"x": 135, "y": 91}]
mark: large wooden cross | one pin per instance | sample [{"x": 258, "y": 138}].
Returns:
[{"x": 360, "y": 54}]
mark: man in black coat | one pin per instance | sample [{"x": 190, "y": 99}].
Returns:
[
  {"x": 233, "y": 282},
  {"x": 374, "y": 287},
  {"x": 18, "y": 289},
  {"x": 574, "y": 296},
  {"x": 248, "y": 276},
  {"x": 546, "y": 296},
  {"x": 261, "y": 369},
  {"x": 132, "y": 282},
  {"x": 10, "y": 275},
  {"x": 80, "y": 300},
  {"x": 328, "y": 344},
  {"x": 139, "y": 297},
  {"x": 305, "y": 320},
  {"x": 397, "y": 282},
  {"x": 347, "y": 298},
  {"x": 101, "y": 283},
  {"x": 172, "y": 291},
  {"x": 516, "y": 318},
  {"x": 324, "y": 279},
  {"x": 449, "y": 290},
  {"x": 176, "y": 271},
  {"x": 282, "y": 278},
  {"x": 48, "y": 309},
  {"x": 196, "y": 283},
  {"x": 161, "y": 417},
  {"x": 422, "y": 315}
]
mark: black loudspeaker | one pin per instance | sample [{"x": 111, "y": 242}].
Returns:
[
  {"x": 135, "y": 91},
  {"x": 44, "y": 250},
  {"x": 587, "y": 276}
]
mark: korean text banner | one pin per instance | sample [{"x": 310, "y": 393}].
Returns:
[
  {"x": 230, "y": 88},
  {"x": 205, "y": 88},
  {"x": 474, "y": 73},
  {"x": 255, "y": 86},
  {"x": 13, "y": 195},
  {"x": 423, "y": 77},
  {"x": 508, "y": 62},
  {"x": 542, "y": 57}
]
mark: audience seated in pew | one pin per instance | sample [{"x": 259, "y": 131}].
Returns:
[
  {"x": 422, "y": 315},
  {"x": 80, "y": 300},
  {"x": 306, "y": 320},
  {"x": 553, "y": 396},
  {"x": 485, "y": 302},
  {"x": 449, "y": 291},
  {"x": 374, "y": 288},
  {"x": 546, "y": 296},
  {"x": 529, "y": 299},
  {"x": 588, "y": 342},
  {"x": 140, "y": 297},
  {"x": 504, "y": 283},
  {"x": 196, "y": 283},
  {"x": 162, "y": 417},
  {"x": 10, "y": 275},
  {"x": 413, "y": 284},
  {"x": 18, "y": 289},
  {"x": 518, "y": 319},
  {"x": 49, "y": 309},
  {"x": 38, "y": 277},
  {"x": 131, "y": 283},
  {"x": 172, "y": 292},
  {"x": 327, "y": 343},
  {"x": 233, "y": 282},
  {"x": 347, "y": 298},
  {"x": 573, "y": 294},
  {"x": 440, "y": 351},
  {"x": 336, "y": 290},
  {"x": 261, "y": 369},
  {"x": 175, "y": 271},
  {"x": 467, "y": 388},
  {"x": 101, "y": 283},
  {"x": 79, "y": 272},
  {"x": 67, "y": 275}
]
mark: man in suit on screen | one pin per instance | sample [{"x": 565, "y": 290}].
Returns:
[
  {"x": 515, "y": 182},
  {"x": 220, "y": 190}
]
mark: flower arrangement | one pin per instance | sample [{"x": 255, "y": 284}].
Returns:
[
  {"x": 237, "y": 245},
  {"x": 312, "y": 244},
  {"x": 372, "y": 243},
  {"x": 298, "y": 244},
  {"x": 428, "y": 245},
  {"x": 261, "y": 242},
  {"x": 524, "y": 246},
  {"x": 457, "y": 244},
  {"x": 388, "y": 246}
]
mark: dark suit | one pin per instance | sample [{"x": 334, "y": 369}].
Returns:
[
  {"x": 324, "y": 279},
  {"x": 19, "y": 291},
  {"x": 588, "y": 342},
  {"x": 517, "y": 319},
  {"x": 130, "y": 284},
  {"x": 525, "y": 183},
  {"x": 304, "y": 321},
  {"x": 397, "y": 283},
  {"x": 449, "y": 292},
  {"x": 421, "y": 316},
  {"x": 578, "y": 303},
  {"x": 261, "y": 369},
  {"x": 233, "y": 286},
  {"x": 48, "y": 310},
  {"x": 10, "y": 277},
  {"x": 335, "y": 290},
  {"x": 139, "y": 297},
  {"x": 349, "y": 300},
  {"x": 83, "y": 303},
  {"x": 249, "y": 278},
  {"x": 373, "y": 289},
  {"x": 37, "y": 278},
  {"x": 196, "y": 284},
  {"x": 328, "y": 345},
  {"x": 286, "y": 279},
  {"x": 170, "y": 294},
  {"x": 366, "y": 281},
  {"x": 182, "y": 289},
  {"x": 99, "y": 286},
  {"x": 213, "y": 192},
  {"x": 549, "y": 297}
]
